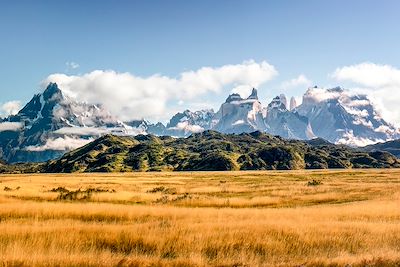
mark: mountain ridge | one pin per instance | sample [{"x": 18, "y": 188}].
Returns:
[{"x": 51, "y": 124}]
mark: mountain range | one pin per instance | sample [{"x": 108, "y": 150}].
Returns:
[{"x": 51, "y": 124}]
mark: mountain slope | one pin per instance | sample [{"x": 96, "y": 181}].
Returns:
[
  {"x": 211, "y": 150},
  {"x": 341, "y": 117},
  {"x": 238, "y": 115},
  {"x": 51, "y": 124},
  {"x": 392, "y": 147},
  {"x": 185, "y": 123},
  {"x": 280, "y": 121}
]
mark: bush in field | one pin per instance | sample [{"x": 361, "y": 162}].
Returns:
[
  {"x": 65, "y": 194},
  {"x": 313, "y": 183}
]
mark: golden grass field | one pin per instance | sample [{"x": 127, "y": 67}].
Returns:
[{"x": 260, "y": 218}]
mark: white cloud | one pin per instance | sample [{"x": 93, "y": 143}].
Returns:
[
  {"x": 133, "y": 97},
  {"x": 380, "y": 82},
  {"x": 320, "y": 94},
  {"x": 10, "y": 126},
  {"x": 188, "y": 128},
  {"x": 10, "y": 108},
  {"x": 60, "y": 144},
  {"x": 369, "y": 74},
  {"x": 243, "y": 90},
  {"x": 72, "y": 65},
  {"x": 300, "y": 80},
  {"x": 98, "y": 131},
  {"x": 82, "y": 131},
  {"x": 356, "y": 141},
  {"x": 384, "y": 129}
]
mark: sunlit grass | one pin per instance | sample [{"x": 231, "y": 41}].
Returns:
[{"x": 203, "y": 219}]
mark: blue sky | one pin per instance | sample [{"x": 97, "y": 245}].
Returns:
[{"x": 310, "y": 37}]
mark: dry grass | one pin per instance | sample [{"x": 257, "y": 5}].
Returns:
[{"x": 202, "y": 219}]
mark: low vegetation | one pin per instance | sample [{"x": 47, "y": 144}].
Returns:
[
  {"x": 207, "y": 151},
  {"x": 257, "y": 218},
  {"x": 213, "y": 151}
]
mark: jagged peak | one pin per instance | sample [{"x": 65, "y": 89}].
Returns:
[
  {"x": 233, "y": 97},
  {"x": 51, "y": 91},
  {"x": 293, "y": 103},
  {"x": 188, "y": 112},
  {"x": 253, "y": 94},
  {"x": 283, "y": 99},
  {"x": 277, "y": 102},
  {"x": 138, "y": 123}
]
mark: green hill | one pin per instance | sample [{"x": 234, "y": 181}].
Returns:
[
  {"x": 213, "y": 151},
  {"x": 392, "y": 147}
]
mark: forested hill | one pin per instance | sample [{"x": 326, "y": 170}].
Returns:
[{"x": 213, "y": 151}]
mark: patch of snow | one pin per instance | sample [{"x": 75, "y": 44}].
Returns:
[{"x": 238, "y": 122}]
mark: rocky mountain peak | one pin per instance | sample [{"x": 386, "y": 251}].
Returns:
[
  {"x": 41, "y": 105},
  {"x": 233, "y": 97},
  {"x": 283, "y": 99},
  {"x": 52, "y": 92},
  {"x": 52, "y": 123},
  {"x": 188, "y": 121},
  {"x": 293, "y": 103},
  {"x": 341, "y": 116},
  {"x": 277, "y": 103},
  {"x": 253, "y": 94}
]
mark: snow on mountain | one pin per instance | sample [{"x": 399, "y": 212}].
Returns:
[
  {"x": 51, "y": 124},
  {"x": 145, "y": 127},
  {"x": 238, "y": 115},
  {"x": 280, "y": 121},
  {"x": 187, "y": 122},
  {"x": 341, "y": 117}
]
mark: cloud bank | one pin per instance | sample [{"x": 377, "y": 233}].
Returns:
[
  {"x": 369, "y": 74},
  {"x": 380, "y": 82},
  {"x": 10, "y": 126},
  {"x": 10, "y": 108},
  {"x": 60, "y": 144},
  {"x": 133, "y": 97}
]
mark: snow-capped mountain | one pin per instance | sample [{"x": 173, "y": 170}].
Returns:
[
  {"x": 180, "y": 125},
  {"x": 280, "y": 121},
  {"x": 238, "y": 115},
  {"x": 187, "y": 122},
  {"x": 51, "y": 124},
  {"x": 341, "y": 117},
  {"x": 146, "y": 127}
]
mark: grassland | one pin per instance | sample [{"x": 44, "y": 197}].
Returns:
[{"x": 261, "y": 218}]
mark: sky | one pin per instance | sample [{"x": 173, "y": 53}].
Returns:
[{"x": 150, "y": 59}]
